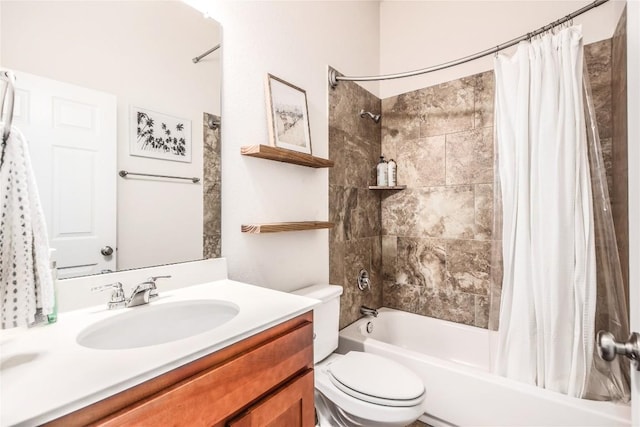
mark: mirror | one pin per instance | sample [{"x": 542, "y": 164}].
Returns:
[{"x": 104, "y": 87}]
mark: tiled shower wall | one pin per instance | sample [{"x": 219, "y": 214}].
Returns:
[
  {"x": 436, "y": 247},
  {"x": 434, "y": 235},
  {"x": 354, "y": 241}
]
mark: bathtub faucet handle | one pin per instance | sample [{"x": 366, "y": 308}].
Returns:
[{"x": 368, "y": 311}]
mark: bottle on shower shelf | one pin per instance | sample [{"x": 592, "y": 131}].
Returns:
[
  {"x": 392, "y": 173},
  {"x": 382, "y": 173}
]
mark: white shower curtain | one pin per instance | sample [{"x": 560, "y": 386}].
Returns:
[{"x": 547, "y": 312}]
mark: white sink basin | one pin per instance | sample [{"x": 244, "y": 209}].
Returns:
[{"x": 157, "y": 324}]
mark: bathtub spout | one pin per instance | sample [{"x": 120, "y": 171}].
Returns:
[{"x": 368, "y": 311}]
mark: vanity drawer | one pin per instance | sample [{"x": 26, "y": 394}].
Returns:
[{"x": 212, "y": 396}]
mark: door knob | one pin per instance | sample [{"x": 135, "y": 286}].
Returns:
[
  {"x": 609, "y": 348},
  {"x": 106, "y": 251}
]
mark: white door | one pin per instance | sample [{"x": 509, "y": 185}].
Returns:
[{"x": 71, "y": 132}]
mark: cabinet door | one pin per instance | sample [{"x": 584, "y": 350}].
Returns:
[{"x": 290, "y": 406}]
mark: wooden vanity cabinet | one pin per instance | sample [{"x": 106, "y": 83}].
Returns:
[{"x": 264, "y": 380}]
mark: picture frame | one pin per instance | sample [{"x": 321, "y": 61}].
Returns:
[
  {"x": 287, "y": 115},
  {"x": 159, "y": 135}
]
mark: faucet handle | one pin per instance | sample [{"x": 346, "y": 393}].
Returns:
[
  {"x": 117, "y": 296},
  {"x": 154, "y": 278},
  {"x": 152, "y": 281}
]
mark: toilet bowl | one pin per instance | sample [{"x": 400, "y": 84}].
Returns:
[{"x": 357, "y": 389}]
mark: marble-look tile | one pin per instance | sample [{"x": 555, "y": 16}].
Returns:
[
  {"x": 389, "y": 257},
  {"x": 405, "y": 297},
  {"x": 484, "y": 99},
  {"x": 430, "y": 212},
  {"x": 421, "y": 162},
  {"x": 402, "y": 116},
  {"x": 619, "y": 195},
  {"x": 336, "y": 153},
  {"x": 482, "y": 312},
  {"x": 448, "y": 107},
  {"x": 606, "y": 145},
  {"x": 468, "y": 266},
  {"x": 470, "y": 157},
  {"x": 355, "y": 213},
  {"x": 211, "y": 246},
  {"x": 211, "y": 183},
  {"x": 421, "y": 263},
  {"x": 337, "y": 210},
  {"x": 483, "y": 211},
  {"x": 598, "y": 62},
  {"x": 345, "y": 102},
  {"x": 452, "y": 306},
  {"x": 357, "y": 255},
  {"x": 336, "y": 263}
]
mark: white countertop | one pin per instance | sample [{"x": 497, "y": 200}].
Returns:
[{"x": 45, "y": 373}]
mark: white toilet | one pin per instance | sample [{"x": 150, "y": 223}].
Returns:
[{"x": 357, "y": 389}]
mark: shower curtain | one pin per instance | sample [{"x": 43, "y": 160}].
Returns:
[{"x": 546, "y": 208}]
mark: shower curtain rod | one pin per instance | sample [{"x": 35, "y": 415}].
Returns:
[
  {"x": 199, "y": 57},
  {"x": 334, "y": 78}
]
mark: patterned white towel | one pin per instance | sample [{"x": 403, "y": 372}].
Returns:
[{"x": 26, "y": 285}]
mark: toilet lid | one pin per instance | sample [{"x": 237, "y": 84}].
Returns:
[{"x": 376, "y": 379}]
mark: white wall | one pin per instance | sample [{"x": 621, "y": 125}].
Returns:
[
  {"x": 419, "y": 34},
  {"x": 295, "y": 41},
  {"x": 141, "y": 52}
]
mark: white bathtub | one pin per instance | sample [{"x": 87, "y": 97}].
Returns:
[{"x": 453, "y": 361}]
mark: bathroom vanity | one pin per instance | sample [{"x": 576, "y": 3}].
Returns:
[
  {"x": 255, "y": 368},
  {"x": 266, "y": 379}
]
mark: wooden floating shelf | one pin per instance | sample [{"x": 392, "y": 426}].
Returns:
[
  {"x": 283, "y": 155},
  {"x": 277, "y": 227},
  {"x": 385, "y": 187}
]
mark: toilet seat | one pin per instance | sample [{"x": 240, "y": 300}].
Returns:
[{"x": 375, "y": 379}]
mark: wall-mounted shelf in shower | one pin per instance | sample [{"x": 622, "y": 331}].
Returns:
[
  {"x": 386, "y": 187},
  {"x": 282, "y": 155},
  {"x": 277, "y": 227}
]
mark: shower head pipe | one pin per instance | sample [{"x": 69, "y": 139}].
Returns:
[{"x": 374, "y": 117}]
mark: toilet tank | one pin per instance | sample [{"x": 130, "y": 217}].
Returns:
[{"x": 326, "y": 318}]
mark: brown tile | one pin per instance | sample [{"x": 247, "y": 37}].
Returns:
[
  {"x": 389, "y": 257},
  {"x": 483, "y": 194},
  {"x": 448, "y": 107},
  {"x": 405, "y": 297},
  {"x": 484, "y": 99},
  {"x": 402, "y": 116},
  {"x": 337, "y": 210},
  {"x": 482, "y": 312},
  {"x": 421, "y": 162},
  {"x": 211, "y": 187},
  {"x": 337, "y": 174},
  {"x": 336, "y": 263},
  {"x": 430, "y": 212},
  {"x": 421, "y": 262},
  {"x": 452, "y": 306},
  {"x": 468, "y": 266},
  {"x": 598, "y": 62},
  {"x": 470, "y": 157},
  {"x": 357, "y": 255}
]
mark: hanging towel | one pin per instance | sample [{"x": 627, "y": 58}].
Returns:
[{"x": 26, "y": 285}]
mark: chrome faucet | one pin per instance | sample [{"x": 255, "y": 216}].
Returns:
[
  {"x": 368, "y": 311},
  {"x": 142, "y": 294}
]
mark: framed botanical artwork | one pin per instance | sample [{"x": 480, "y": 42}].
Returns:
[
  {"x": 288, "y": 115},
  {"x": 159, "y": 136}
]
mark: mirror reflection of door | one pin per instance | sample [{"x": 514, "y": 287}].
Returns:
[{"x": 71, "y": 133}]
